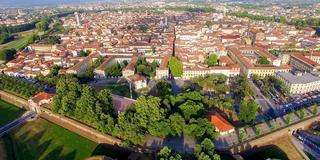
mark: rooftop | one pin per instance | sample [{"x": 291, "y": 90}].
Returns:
[
  {"x": 298, "y": 79},
  {"x": 220, "y": 123}
]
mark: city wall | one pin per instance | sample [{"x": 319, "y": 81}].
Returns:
[
  {"x": 78, "y": 128},
  {"x": 68, "y": 123},
  {"x": 265, "y": 139},
  {"x": 13, "y": 99}
]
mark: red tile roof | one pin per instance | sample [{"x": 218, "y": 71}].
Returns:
[
  {"x": 305, "y": 59},
  {"x": 220, "y": 123},
  {"x": 42, "y": 96}
]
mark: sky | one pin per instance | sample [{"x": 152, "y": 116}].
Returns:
[{"x": 30, "y": 3}]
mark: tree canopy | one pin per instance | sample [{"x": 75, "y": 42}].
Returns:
[
  {"x": 212, "y": 60},
  {"x": 248, "y": 110},
  {"x": 263, "y": 61},
  {"x": 7, "y": 54},
  {"x": 81, "y": 102},
  {"x": 18, "y": 86},
  {"x": 176, "y": 67}
]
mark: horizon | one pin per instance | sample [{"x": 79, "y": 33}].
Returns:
[{"x": 43, "y": 3}]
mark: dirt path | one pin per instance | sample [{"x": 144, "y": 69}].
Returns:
[{"x": 2, "y": 151}]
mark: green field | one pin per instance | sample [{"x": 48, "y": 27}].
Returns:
[
  {"x": 8, "y": 112},
  {"x": 21, "y": 41},
  {"x": 41, "y": 139}
]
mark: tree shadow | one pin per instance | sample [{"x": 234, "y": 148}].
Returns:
[
  {"x": 265, "y": 152},
  {"x": 112, "y": 151},
  {"x": 54, "y": 154}
]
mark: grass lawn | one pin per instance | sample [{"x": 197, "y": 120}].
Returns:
[
  {"x": 21, "y": 41},
  {"x": 41, "y": 139},
  {"x": 9, "y": 112}
]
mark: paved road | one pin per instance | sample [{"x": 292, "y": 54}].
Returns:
[
  {"x": 8, "y": 127},
  {"x": 308, "y": 145},
  {"x": 260, "y": 98}
]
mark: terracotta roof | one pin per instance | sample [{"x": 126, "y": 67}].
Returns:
[
  {"x": 305, "y": 59},
  {"x": 220, "y": 123},
  {"x": 136, "y": 77},
  {"x": 42, "y": 96}
]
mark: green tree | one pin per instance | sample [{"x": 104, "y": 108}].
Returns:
[
  {"x": 54, "y": 40},
  {"x": 314, "y": 109},
  {"x": 105, "y": 98},
  {"x": 257, "y": 130},
  {"x": 288, "y": 119},
  {"x": 199, "y": 129},
  {"x": 242, "y": 135},
  {"x": 7, "y": 54},
  {"x": 42, "y": 25},
  {"x": 206, "y": 150},
  {"x": 84, "y": 53},
  {"x": 166, "y": 154},
  {"x": 163, "y": 88},
  {"x": 54, "y": 70},
  {"x": 177, "y": 124},
  {"x": 127, "y": 128},
  {"x": 148, "y": 111},
  {"x": 5, "y": 38},
  {"x": 176, "y": 67},
  {"x": 248, "y": 110},
  {"x": 263, "y": 60},
  {"x": 302, "y": 113},
  {"x": 114, "y": 70},
  {"x": 212, "y": 60},
  {"x": 160, "y": 128},
  {"x": 209, "y": 23},
  {"x": 143, "y": 28},
  {"x": 190, "y": 109},
  {"x": 283, "y": 20}
]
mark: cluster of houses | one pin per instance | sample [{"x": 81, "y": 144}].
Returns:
[{"x": 121, "y": 37}]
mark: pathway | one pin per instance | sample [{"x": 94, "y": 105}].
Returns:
[{"x": 8, "y": 127}]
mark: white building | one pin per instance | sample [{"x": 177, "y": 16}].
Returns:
[{"x": 300, "y": 83}]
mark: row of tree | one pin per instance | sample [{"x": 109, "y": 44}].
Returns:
[
  {"x": 18, "y": 86},
  {"x": 203, "y": 151},
  {"x": 7, "y": 54},
  {"x": 17, "y": 28},
  {"x": 175, "y": 115},
  {"x": 6, "y": 37},
  {"x": 270, "y": 85},
  {"x": 242, "y": 93},
  {"x": 309, "y": 22},
  {"x": 81, "y": 102}
]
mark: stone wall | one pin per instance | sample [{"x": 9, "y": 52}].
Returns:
[
  {"x": 13, "y": 99},
  {"x": 79, "y": 128},
  {"x": 68, "y": 123},
  {"x": 273, "y": 135}
]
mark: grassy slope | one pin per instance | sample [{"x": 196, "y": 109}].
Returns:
[
  {"x": 41, "y": 139},
  {"x": 8, "y": 112},
  {"x": 18, "y": 43}
]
